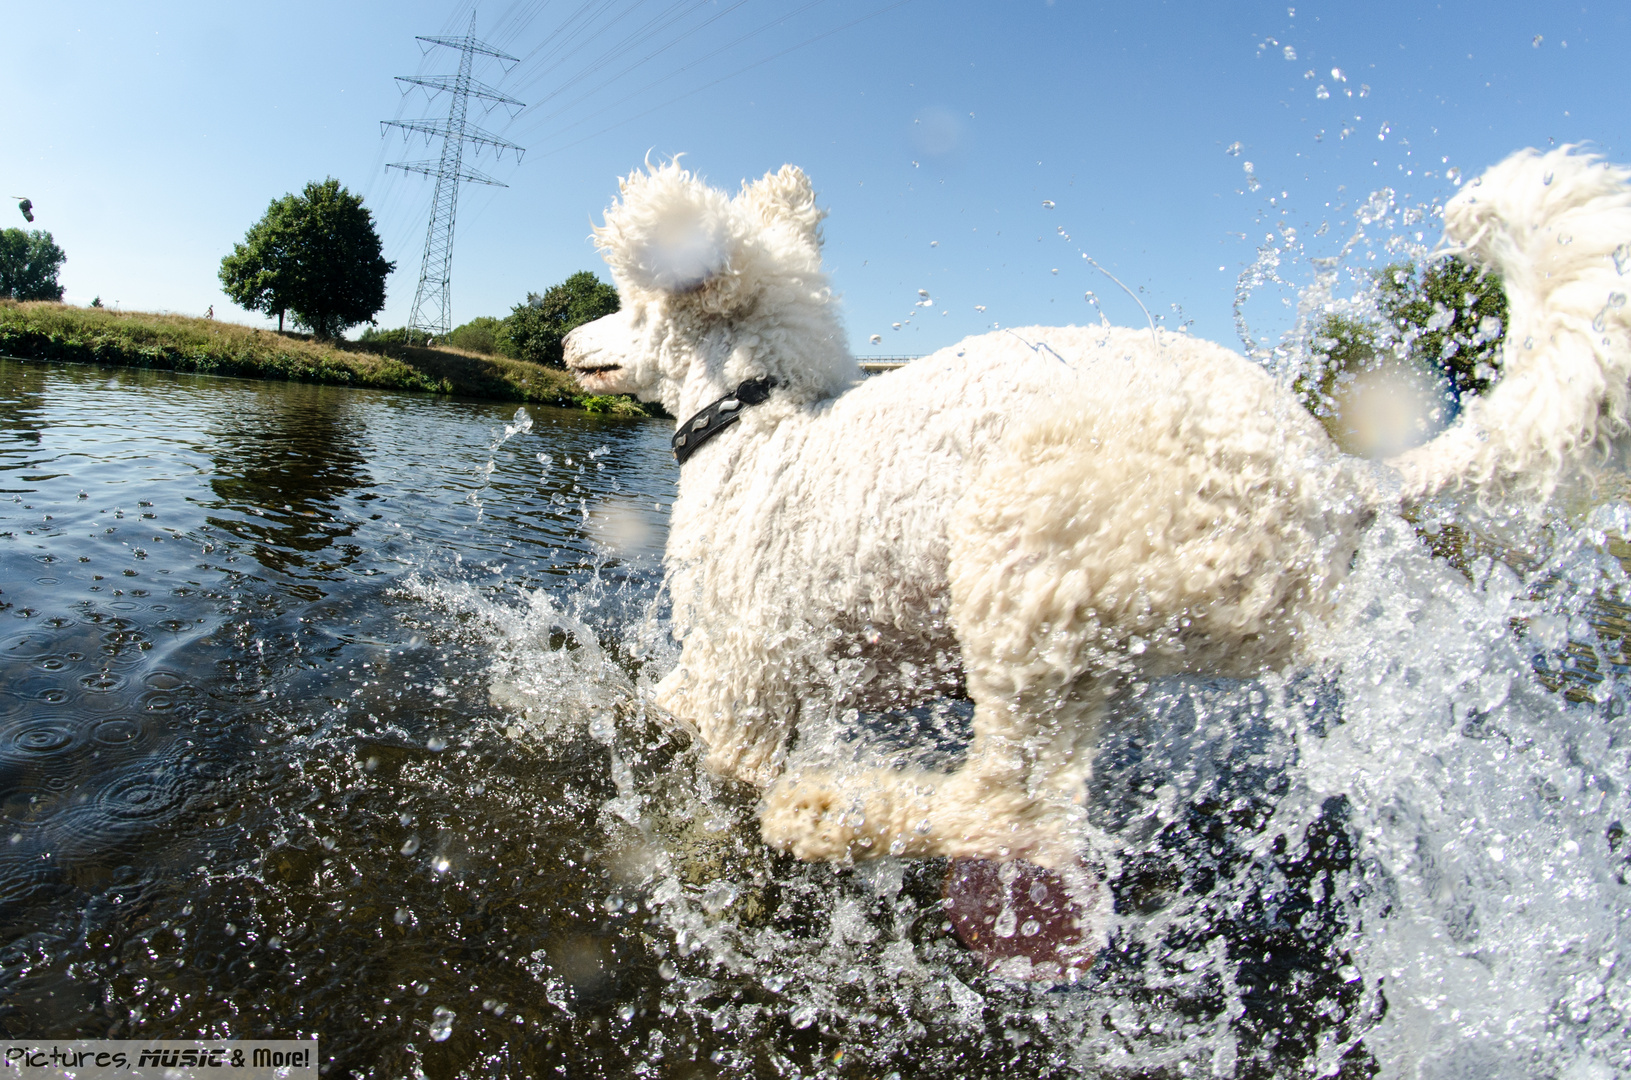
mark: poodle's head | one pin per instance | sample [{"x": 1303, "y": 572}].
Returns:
[{"x": 714, "y": 290}]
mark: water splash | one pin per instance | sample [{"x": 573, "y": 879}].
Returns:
[{"x": 520, "y": 424}]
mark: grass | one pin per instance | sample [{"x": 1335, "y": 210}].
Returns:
[{"x": 47, "y": 331}]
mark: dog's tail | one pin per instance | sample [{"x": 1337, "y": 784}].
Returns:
[{"x": 1557, "y": 228}]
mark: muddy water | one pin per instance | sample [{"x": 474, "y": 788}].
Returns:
[{"x": 323, "y": 712}]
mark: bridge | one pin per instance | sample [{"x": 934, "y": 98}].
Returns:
[{"x": 877, "y": 365}]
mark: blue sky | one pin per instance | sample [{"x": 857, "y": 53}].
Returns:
[{"x": 150, "y": 137}]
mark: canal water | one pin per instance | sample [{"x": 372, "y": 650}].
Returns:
[{"x": 324, "y": 712}]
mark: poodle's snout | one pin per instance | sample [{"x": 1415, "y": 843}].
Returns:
[{"x": 597, "y": 348}]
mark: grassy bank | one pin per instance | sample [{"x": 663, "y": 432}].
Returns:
[{"x": 46, "y": 331}]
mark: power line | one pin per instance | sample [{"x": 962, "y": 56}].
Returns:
[{"x": 707, "y": 86}]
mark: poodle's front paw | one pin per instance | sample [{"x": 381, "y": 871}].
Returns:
[{"x": 809, "y": 817}]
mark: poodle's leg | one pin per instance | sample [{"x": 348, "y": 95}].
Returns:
[
  {"x": 1015, "y": 797},
  {"x": 742, "y": 719}
]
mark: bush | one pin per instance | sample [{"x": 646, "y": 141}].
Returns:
[
  {"x": 536, "y": 329},
  {"x": 479, "y": 335},
  {"x": 383, "y": 340}
]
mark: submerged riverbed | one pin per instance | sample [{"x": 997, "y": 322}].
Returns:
[{"x": 323, "y": 714}]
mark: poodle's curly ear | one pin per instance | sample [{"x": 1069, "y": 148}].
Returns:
[
  {"x": 785, "y": 196},
  {"x": 669, "y": 232}
]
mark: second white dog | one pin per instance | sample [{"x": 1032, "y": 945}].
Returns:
[{"x": 1036, "y": 517}]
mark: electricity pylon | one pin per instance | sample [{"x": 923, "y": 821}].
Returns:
[{"x": 433, "y": 300}]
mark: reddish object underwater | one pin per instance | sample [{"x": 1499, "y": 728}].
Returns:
[{"x": 1026, "y": 921}]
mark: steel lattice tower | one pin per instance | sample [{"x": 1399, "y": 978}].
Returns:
[{"x": 433, "y": 301}]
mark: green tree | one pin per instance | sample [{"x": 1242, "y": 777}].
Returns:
[
  {"x": 479, "y": 335},
  {"x": 1454, "y": 316},
  {"x": 1450, "y": 317},
  {"x": 535, "y": 330},
  {"x": 315, "y": 255},
  {"x": 29, "y": 262}
]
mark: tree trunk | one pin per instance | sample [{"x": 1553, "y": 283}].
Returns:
[{"x": 280, "y": 320}]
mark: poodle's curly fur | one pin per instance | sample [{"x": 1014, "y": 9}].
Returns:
[{"x": 1036, "y": 517}]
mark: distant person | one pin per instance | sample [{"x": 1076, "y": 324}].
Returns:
[{"x": 210, "y": 314}]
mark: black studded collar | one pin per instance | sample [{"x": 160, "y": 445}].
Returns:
[{"x": 718, "y": 415}]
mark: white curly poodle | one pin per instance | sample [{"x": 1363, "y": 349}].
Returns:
[{"x": 1037, "y": 517}]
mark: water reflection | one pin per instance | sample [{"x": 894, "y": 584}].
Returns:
[
  {"x": 283, "y": 465},
  {"x": 20, "y": 400}
]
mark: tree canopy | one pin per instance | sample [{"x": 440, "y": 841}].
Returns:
[
  {"x": 316, "y": 256},
  {"x": 536, "y": 329},
  {"x": 29, "y": 262},
  {"x": 479, "y": 335},
  {"x": 1449, "y": 318}
]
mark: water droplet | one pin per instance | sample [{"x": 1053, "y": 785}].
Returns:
[
  {"x": 1047, "y": 204},
  {"x": 410, "y": 846},
  {"x": 1336, "y": 73},
  {"x": 441, "y": 1024},
  {"x": 1529, "y": 343},
  {"x": 871, "y": 634},
  {"x": 1038, "y": 893},
  {"x": 1622, "y": 258},
  {"x": 934, "y": 243},
  {"x": 875, "y": 338},
  {"x": 1055, "y": 270},
  {"x": 895, "y": 325},
  {"x": 436, "y": 744},
  {"x": 1007, "y": 922},
  {"x": 402, "y": 916},
  {"x": 1453, "y": 175},
  {"x": 802, "y": 1017},
  {"x": 1565, "y": 239},
  {"x": 625, "y": 1012},
  {"x": 1248, "y": 167},
  {"x": 1547, "y": 179},
  {"x": 668, "y": 971},
  {"x": 1538, "y": 39},
  {"x": 1381, "y": 136},
  {"x": 1290, "y": 53},
  {"x": 1364, "y": 89},
  {"x": 980, "y": 308},
  {"x": 1616, "y": 301},
  {"x": 441, "y": 864},
  {"x": 1029, "y": 928},
  {"x": 1321, "y": 92}
]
